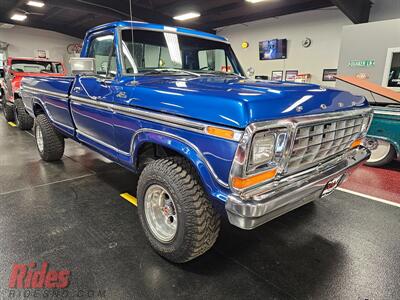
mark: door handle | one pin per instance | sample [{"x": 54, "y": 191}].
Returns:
[
  {"x": 121, "y": 95},
  {"x": 77, "y": 89}
]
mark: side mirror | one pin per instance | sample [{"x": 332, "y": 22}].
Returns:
[
  {"x": 250, "y": 72},
  {"x": 1, "y": 73},
  {"x": 83, "y": 65}
]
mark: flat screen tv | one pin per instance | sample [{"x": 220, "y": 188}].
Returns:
[{"x": 273, "y": 49}]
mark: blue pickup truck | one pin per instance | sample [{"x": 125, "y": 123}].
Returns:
[{"x": 174, "y": 105}]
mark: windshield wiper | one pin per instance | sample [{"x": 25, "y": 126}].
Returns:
[
  {"x": 160, "y": 71},
  {"x": 220, "y": 73}
]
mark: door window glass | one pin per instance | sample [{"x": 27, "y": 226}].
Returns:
[{"x": 102, "y": 50}]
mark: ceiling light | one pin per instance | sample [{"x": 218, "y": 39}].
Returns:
[
  {"x": 254, "y": 1},
  {"x": 18, "y": 17},
  {"x": 187, "y": 16},
  {"x": 36, "y": 3}
]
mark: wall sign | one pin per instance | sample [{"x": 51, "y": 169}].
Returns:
[
  {"x": 329, "y": 75},
  {"x": 362, "y": 63},
  {"x": 291, "y": 75},
  {"x": 42, "y": 53},
  {"x": 277, "y": 76}
]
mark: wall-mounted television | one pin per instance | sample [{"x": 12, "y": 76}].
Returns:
[{"x": 273, "y": 49}]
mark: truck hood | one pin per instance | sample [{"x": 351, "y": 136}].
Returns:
[{"x": 237, "y": 102}]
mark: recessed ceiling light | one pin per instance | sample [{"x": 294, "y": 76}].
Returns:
[
  {"x": 187, "y": 16},
  {"x": 255, "y": 1},
  {"x": 36, "y": 3},
  {"x": 18, "y": 17}
]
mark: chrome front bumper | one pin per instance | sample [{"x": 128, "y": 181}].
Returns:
[{"x": 256, "y": 207}]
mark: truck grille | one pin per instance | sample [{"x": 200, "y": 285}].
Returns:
[{"x": 317, "y": 142}]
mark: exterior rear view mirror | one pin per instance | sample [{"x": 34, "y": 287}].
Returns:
[{"x": 83, "y": 65}]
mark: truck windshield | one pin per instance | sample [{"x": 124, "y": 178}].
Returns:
[
  {"x": 151, "y": 52},
  {"x": 27, "y": 66}
]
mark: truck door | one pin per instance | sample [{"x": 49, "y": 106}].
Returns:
[{"x": 92, "y": 96}]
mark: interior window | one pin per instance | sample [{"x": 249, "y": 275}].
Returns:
[
  {"x": 215, "y": 60},
  {"x": 59, "y": 68},
  {"x": 102, "y": 50}
]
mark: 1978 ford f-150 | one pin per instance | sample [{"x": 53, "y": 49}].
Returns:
[{"x": 173, "y": 105}]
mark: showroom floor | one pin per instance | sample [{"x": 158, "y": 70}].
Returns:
[{"x": 70, "y": 214}]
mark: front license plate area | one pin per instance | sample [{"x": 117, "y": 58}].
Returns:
[{"x": 331, "y": 186}]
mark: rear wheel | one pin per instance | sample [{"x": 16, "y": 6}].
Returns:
[
  {"x": 22, "y": 119},
  {"x": 382, "y": 152},
  {"x": 178, "y": 219},
  {"x": 49, "y": 142}
]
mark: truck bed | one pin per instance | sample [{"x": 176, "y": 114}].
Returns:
[{"x": 52, "y": 95}]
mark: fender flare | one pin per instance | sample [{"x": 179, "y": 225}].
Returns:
[
  {"x": 39, "y": 102},
  {"x": 181, "y": 146}
]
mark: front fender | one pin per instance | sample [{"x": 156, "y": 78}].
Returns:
[{"x": 213, "y": 185}]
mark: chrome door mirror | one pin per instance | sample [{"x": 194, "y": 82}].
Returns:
[
  {"x": 250, "y": 72},
  {"x": 83, "y": 65}
]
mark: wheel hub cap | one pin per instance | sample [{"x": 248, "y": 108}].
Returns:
[
  {"x": 160, "y": 213},
  {"x": 380, "y": 150},
  {"x": 39, "y": 138}
]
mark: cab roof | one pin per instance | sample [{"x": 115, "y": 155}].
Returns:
[{"x": 157, "y": 27}]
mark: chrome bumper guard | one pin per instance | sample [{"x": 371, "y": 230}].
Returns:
[{"x": 256, "y": 207}]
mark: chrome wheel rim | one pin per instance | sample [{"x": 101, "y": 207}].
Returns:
[
  {"x": 39, "y": 138},
  {"x": 160, "y": 212},
  {"x": 379, "y": 151}
]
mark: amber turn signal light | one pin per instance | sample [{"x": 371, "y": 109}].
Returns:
[
  {"x": 220, "y": 132},
  {"x": 242, "y": 183},
  {"x": 356, "y": 143}
]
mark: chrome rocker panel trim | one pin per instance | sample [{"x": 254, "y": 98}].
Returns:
[
  {"x": 40, "y": 91},
  {"x": 293, "y": 192}
]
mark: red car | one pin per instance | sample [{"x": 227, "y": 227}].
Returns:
[{"x": 14, "y": 70}]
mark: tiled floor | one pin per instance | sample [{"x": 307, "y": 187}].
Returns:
[{"x": 383, "y": 183}]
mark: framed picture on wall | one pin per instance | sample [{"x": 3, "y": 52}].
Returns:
[
  {"x": 277, "y": 76},
  {"x": 291, "y": 75},
  {"x": 391, "y": 75},
  {"x": 329, "y": 75}
]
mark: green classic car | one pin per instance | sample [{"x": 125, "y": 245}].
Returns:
[{"x": 384, "y": 135}]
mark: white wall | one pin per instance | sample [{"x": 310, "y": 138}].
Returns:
[
  {"x": 24, "y": 41},
  {"x": 323, "y": 26}
]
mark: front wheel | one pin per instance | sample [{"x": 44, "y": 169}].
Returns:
[
  {"x": 178, "y": 219},
  {"x": 22, "y": 119},
  {"x": 49, "y": 142},
  {"x": 382, "y": 152}
]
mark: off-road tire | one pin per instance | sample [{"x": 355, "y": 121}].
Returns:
[
  {"x": 198, "y": 222},
  {"x": 53, "y": 141},
  {"x": 8, "y": 111},
  {"x": 22, "y": 119}
]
